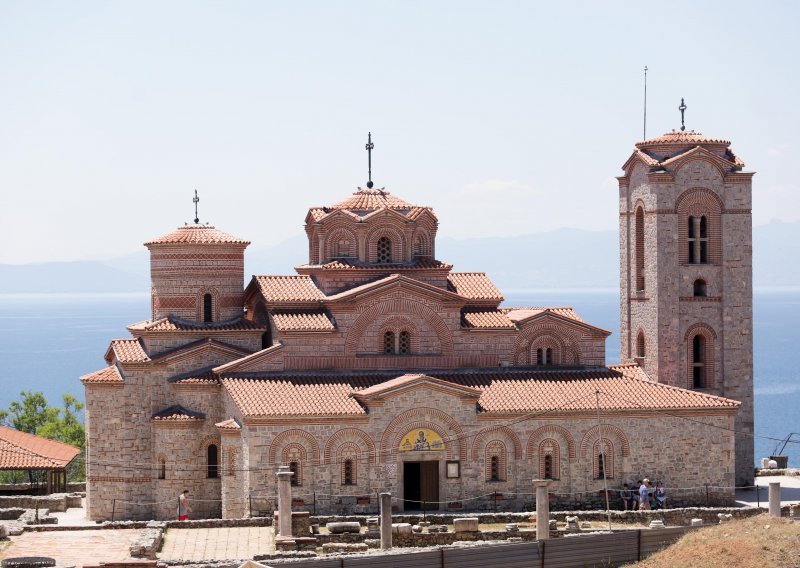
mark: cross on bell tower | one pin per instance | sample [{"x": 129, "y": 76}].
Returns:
[
  {"x": 196, "y": 200},
  {"x": 682, "y": 108},
  {"x": 369, "y": 148}
]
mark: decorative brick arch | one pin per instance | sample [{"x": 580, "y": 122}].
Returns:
[
  {"x": 609, "y": 430},
  {"x": 549, "y": 431},
  {"x": 496, "y": 449},
  {"x": 422, "y": 243},
  {"x": 687, "y": 161},
  {"x": 608, "y": 461},
  {"x": 549, "y": 447},
  {"x": 345, "y": 435},
  {"x": 332, "y": 240},
  {"x": 215, "y": 303},
  {"x": 395, "y": 234},
  {"x": 396, "y": 324},
  {"x": 206, "y": 441},
  {"x": 398, "y": 306},
  {"x": 492, "y": 430},
  {"x": 694, "y": 329},
  {"x": 566, "y": 339},
  {"x": 288, "y": 436},
  {"x": 393, "y": 443},
  {"x": 710, "y": 336},
  {"x": 698, "y": 202},
  {"x": 406, "y": 421}
]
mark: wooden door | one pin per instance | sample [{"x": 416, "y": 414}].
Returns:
[{"x": 429, "y": 484}]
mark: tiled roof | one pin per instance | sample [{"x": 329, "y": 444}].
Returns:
[
  {"x": 229, "y": 424},
  {"x": 303, "y": 322},
  {"x": 20, "y": 450},
  {"x": 109, "y": 375},
  {"x": 369, "y": 199},
  {"x": 519, "y": 314},
  {"x": 128, "y": 351},
  {"x": 493, "y": 319},
  {"x": 410, "y": 379},
  {"x": 172, "y": 323},
  {"x": 204, "y": 376},
  {"x": 632, "y": 371},
  {"x": 288, "y": 289},
  {"x": 353, "y": 264},
  {"x": 510, "y": 390},
  {"x": 474, "y": 285},
  {"x": 680, "y": 138},
  {"x": 177, "y": 413},
  {"x": 197, "y": 235}
]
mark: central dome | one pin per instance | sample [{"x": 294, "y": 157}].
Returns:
[{"x": 370, "y": 199}]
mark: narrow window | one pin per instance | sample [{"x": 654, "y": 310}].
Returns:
[
  {"x": 404, "y": 344},
  {"x": 639, "y": 249},
  {"x": 548, "y": 356},
  {"x": 213, "y": 461},
  {"x": 495, "y": 469},
  {"x": 384, "y": 250},
  {"x": 700, "y": 288},
  {"x": 207, "y": 305},
  {"x": 548, "y": 466},
  {"x": 601, "y": 465},
  {"x": 699, "y": 361},
  {"x": 540, "y": 356},
  {"x": 691, "y": 240},
  {"x": 162, "y": 468},
  {"x": 266, "y": 339},
  {"x": 388, "y": 342},
  {"x": 703, "y": 240},
  {"x": 348, "y": 472},
  {"x": 294, "y": 467},
  {"x": 640, "y": 345}
]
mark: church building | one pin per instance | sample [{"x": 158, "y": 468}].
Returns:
[{"x": 377, "y": 366}]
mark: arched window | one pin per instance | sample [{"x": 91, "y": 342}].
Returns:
[
  {"x": 495, "y": 461},
  {"x": 640, "y": 347},
  {"x": 699, "y": 362},
  {"x": 639, "y": 249},
  {"x": 540, "y": 356},
  {"x": 548, "y": 466},
  {"x": 494, "y": 472},
  {"x": 208, "y": 305},
  {"x": 342, "y": 249},
  {"x": 544, "y": 356},
  {"x": 404, "y": 343},
  {"x": 548, "y": 356},
  {"x": 697, "y": 241},
  {"x": 384, "y": 251},
  {"x": 162, "y": 468},
  {"x": 603, "y": 459},
  {"x": 549, "y": 459},
  {"x": 601, "y": 466},
  {"x": 700, "y": 288},
  {"x": 213, "y": 461},
  {"x": 388, "y": 342},
  {"x": 347, "y": 472},
  {"x": 294, "y": 467}
]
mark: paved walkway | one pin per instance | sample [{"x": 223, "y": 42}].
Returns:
[
  {"x": 227, "y": 543},
  {"x": 73, "y": 517},
  {"x": 74, "y": 548},
  {"x": 790, "y": 491}
]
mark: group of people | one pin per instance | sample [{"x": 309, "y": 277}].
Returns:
[{"x": 645, "y": 498}]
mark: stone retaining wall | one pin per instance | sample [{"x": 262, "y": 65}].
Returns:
[{"x": 58, "y": 502}]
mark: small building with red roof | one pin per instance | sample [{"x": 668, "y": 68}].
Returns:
[{"x": 20, "y": 451}]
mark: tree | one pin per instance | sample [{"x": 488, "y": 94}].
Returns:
[{"x": 30, "y": 414}]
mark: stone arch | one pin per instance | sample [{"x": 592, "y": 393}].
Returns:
[
  {"x": 698, "y": 202},
  {"x": 549, "y": 447},
  {"x": 566, "y": 338},
  {"x": 710, "y": 337},
  {"x": 348, "y": 451},
  {"x": 693, "y": 329},
  {"x": 396, "y": 324},
  {"x": 608, "y": 461},
  {"x": 548, "y": 431},
  {"x": 422, "y": 243},
  {"x": 405, "y": 419},
  {"x": 609, "y": 430},
  {"x": 395, "y": 234},
  {"x": 487, "y": 432},
  {"x": 295, "y": 452},
  {"x": 496, "y": 449},
  {"x": 398, "y": 306},
  {"x": 345, "y": 435},
  {"x": 332, "y": 239},
  {"x": 289, "y": 436}
]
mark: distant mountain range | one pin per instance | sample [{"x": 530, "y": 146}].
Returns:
[{"x": 565, "y": 258}]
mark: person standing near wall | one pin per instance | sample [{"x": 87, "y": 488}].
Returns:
[{"x": 183, "y": 506}]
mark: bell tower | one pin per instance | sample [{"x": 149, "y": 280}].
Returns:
[{"x": 686, "y": 295}]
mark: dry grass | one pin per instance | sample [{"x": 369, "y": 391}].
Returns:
[{"x": 755, "y": 542}]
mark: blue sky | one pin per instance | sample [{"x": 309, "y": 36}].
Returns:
[{"x": 506, "y": 117}]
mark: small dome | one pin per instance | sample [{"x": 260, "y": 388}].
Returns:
[
  {"x": 369, "y": 199},
  {"x": 682, "y": 138},
  {"x": 197, "y": 235}
]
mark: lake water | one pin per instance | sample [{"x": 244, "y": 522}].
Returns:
[{"x": 48, "y": 341}]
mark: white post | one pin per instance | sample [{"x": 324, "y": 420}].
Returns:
[
  {"x": 284, "y": 502},
  {"x": 542, "y": 509},
  {"x": 775, "y": 499},
  {"x": 386, "y": 520}
]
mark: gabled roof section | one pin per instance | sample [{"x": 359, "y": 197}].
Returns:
[
  {"x": 288, "y": 289},
  {"x": 197, "y": 235},
  {"x": 682, "y": 138},
  {"x": 474, "y": 286},
  {"x": 354, "y": 264},
  {"x": 413, "y": 381},
  {"x": 204, "y": 376},
  {"x": 698, "y": 151},
  {"x": 391, "y": 281},
  {"x": 172, "y": 323},
  {"x": 108, "y": 376},
  {"x": 252, "y": 361},
  {"x": 230, "y": 425},
  {"x": 523, "y": 316},
  {"x": 632, "y": 371},
  {"x": 490, "y": 319},
  {"x": 126, "y": 351},
  {"x": 303, "y": 321},
  {"x": 203, "y": 345},
  {"x": 178, "y": 413},
  {"x": 20, "y": 450}
]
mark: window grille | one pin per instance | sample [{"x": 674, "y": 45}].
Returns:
[
  {"x": 404, "y": 344},
  {"x": 384, "y": 250},
  {"x": 388, "y": 342},
  {"x": 495, "y": 469},
  {"x": 548, "y": 467},
  {"x": 348, "y": 472}
]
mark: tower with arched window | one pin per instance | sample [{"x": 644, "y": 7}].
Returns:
[{"x": 686, "y": 271}]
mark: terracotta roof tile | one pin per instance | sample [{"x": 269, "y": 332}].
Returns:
[
  {"x": 20, "y": 450},
  {"x": 177, "y": 413},
  {"x": 410, "y": 379},
  {"x": 369, "y": 199},
  {"x": 109, "y": 375},
  {"x": 474, "y": 285},
  {"x": 303, "y": 322},
  {"x": 204, "y": 376},
  {"x": 129, "y": 351},
  {"x": 519, "y": 314},
  {"x": 504, "y": 390},
  {"x": 352, "y": 264},
  {"x": 229, "y": 424},
  {"x": 494, "y": 319},
  {"x": 172, "y": 323},
  {"x": 289, "y": 289},
  {"x": 681, "y": 138},
  {"x": 197, "y": 235}
]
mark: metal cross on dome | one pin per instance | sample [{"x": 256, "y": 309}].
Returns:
[
  {"x": 369, "y": 148},
  {"x": 682, "y": 108},
  {"x": 196, "y": 200}
]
